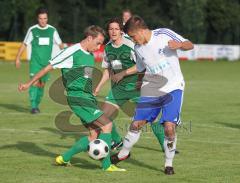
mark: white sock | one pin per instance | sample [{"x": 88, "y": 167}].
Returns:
[
  {"x": 130, "y": 139},
  {"x": 169, "y": 147}
]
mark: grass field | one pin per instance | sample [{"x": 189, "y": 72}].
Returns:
[{"x": 208, "y": 141}]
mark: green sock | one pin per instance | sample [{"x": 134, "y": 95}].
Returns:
[
  {"x": 40, "y": 93},
  {"x": 33, "y": 96},
  {"x": 106, "y": 162},
  {"x": 80, "y": 146},
  {"x": 115, "y": 135},
  {"x": 158, "y": 131}
]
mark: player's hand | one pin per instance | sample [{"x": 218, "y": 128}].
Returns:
[
  {"x": 117, "y": 77},
  {"x": 17, "y": 63},
  {"x": 23, "y": 87},
  {"x": 174, "y": 44}
]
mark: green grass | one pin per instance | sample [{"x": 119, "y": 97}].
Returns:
[{"x": 208, "y": 141}]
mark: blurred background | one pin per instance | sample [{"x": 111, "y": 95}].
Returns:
[{"x": 201, "y": 21}]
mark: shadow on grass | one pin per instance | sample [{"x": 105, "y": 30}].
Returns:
[
  {"x": 31, "y": 148},
  {"x": 230, "y": 125},
  {"x": 148, "y": 148},
  {"x": 15, "y": 107},
  {"x": 63, "y": 135}
]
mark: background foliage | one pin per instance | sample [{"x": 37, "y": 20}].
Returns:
[{"x": 201, "y": 21}]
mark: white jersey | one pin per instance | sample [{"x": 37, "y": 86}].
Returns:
[{"x": 161, "y": 63}]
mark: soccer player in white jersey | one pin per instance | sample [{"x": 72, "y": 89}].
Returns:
[
  {"x": 162, "y": 85},
  {"x": 41, "y": 37}
]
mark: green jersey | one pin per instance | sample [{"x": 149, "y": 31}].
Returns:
[
  {"x": 41, "y": 40},
  {"x": 77, "y": 66},
  {"x": 121, "y": 58}
]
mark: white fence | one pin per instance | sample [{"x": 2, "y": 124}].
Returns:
[
  {"x": 200, "y": 52},
  {"x": 211, "y": 52}
]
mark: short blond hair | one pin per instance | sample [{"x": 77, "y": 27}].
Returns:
[{"x": 94, "y": 31}]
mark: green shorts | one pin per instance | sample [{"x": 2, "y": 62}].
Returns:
[
  {"x": 85, "y": 107},
  {"x": 118, "y": 96},
  {"x": 34, "y": 68}
]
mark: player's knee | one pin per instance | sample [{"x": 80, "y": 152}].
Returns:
[
  {"x": 169, "y": 130},
  {"x": 136, "y": 126},
  {"x": 93, "y": 136},
  {"x": 107, "y": 128}
]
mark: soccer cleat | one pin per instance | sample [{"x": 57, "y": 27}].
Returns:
[
  {"x": 114, "y": 168},
  {"x": 116, "y": 146},
  {"x": 115, "y": 159},
  {"x": 169, "y": 170},
  {"x": 59, "y": 161},
  {"x": 35, "y": 111},
  {"x": 38, "y": 110},
  {"x": 177, "y": 152}
]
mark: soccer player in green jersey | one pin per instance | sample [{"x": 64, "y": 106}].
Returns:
[
  {"x": 76, "y": 63},
  {"x": 41, "y": 36},
  {"x": 119, "y": 65}
]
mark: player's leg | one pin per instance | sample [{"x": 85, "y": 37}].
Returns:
[
  {"x": 85, "y": 107},
  {"x": 33, "y": 92},
  {"x": 40, "y": 91},
  {"x": 80, "y": 146},
  {"x": 110, "y": 110},
  {"x": 131, "y": 138},
  {"x": 143, "y": 114},
  {"x": 158, "y": 131},
  {"x": 170, "y": 118}
]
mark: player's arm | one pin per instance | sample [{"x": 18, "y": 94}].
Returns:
[
  {"x": 19, "y": 54},
  {"x": 119, "y": 76},
  {"x": 185, "y": 45},
  {"x": 139, "y": 80},
  {"x": 58, "y": 40},
  {"x": 41, "y": 73},
  {"x": 105, "y": 77}
]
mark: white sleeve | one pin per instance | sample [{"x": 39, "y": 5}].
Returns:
[
  {"x": 176, "y": 36},
  {"x": 56, "y": 38},
  {"x": 133, "y": 56},
  {"x": 29, "y": 37},
  {"x": 140, "y": 66},
  {"x": 64, "y": 59},
  {"x": 105, "y": 63}
]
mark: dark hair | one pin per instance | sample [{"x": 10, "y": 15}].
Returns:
[
  {"x": 135, "y": 23},
  {"x": 115, "y": 20},
  {"x": 41, "y": 10},
  {"x": 94, "y": 31}
]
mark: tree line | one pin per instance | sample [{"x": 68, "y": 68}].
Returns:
[{"x": 201, "y": 21}]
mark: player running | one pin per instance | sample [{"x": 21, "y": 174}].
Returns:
[
  {"x": 162, "y": 87},
  {"x": 76, "y": 64}
]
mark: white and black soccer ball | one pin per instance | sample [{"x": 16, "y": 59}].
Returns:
[{"x": 98, "y": 149}]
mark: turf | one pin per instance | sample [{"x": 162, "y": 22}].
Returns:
[{"x": 208, "y": 140}]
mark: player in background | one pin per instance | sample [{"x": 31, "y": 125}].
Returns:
[
  {"x": 162, "y": 87},
  {"x": 120, "y": 66},
  {"x": 77, "y": 64},
  {"x": 41, "y": 36},
  {"x": 126, "y": 14}
]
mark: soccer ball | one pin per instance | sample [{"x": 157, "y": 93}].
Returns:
[{"x": 98, "y": 149}]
